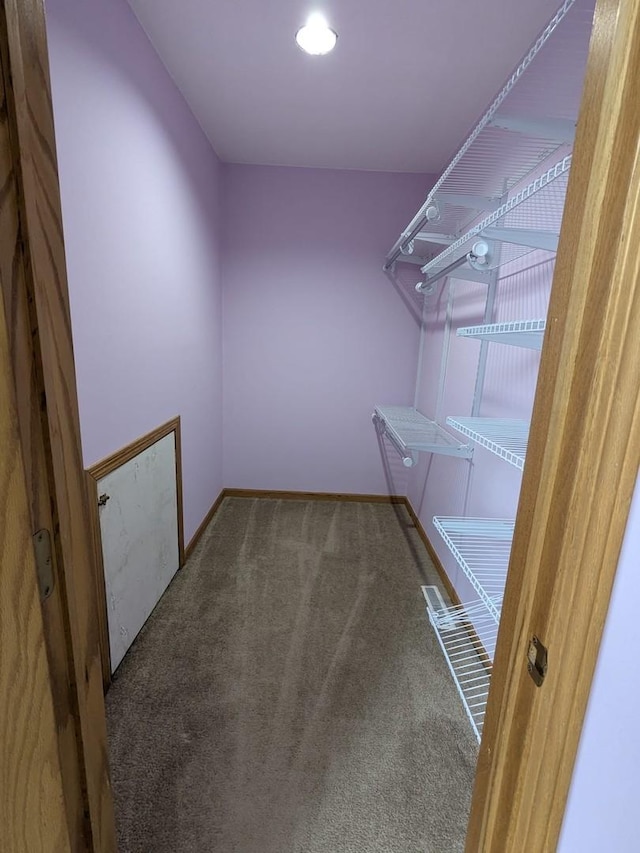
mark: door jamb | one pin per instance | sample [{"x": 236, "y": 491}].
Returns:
[
  {"x": 581, "y": 467},
  {"x": 30, "y": 144},
  {"x": 587, "y": 332}
]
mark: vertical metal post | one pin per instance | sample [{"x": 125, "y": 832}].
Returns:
[
  {"x": 423, "y": 319},
  {"x": 484, "y": 346},
  {"x": 445, "y": 351},
  {"x": 492, "y": 288}
]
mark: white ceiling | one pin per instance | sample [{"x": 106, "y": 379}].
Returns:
[{"x": 406, "y": 81}]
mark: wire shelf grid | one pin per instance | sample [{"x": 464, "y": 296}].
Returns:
[
  {"x": 531, "y": 118},
  {"x": 411, "y": 432},
  {"x": 467, "y": 635},
  {"x": 505, "y": 437},
  {"x": 517, "y": 333},
  {"x": 530, "y": 220},
  {"x": 481, "y": 547}
]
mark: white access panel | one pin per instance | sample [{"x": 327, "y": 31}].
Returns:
[{"x": 139, "y": 531}]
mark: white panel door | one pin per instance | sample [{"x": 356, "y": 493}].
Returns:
[{"x": 139, "y": 531}]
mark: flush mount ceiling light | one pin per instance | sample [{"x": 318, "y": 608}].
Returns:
[{"x": 316, "y": 37}]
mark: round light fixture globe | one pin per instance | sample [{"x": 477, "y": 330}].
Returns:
[{"x": 316, "y": 37}]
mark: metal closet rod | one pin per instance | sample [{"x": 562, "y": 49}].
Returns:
[
  {"x": 417, "y": 224},
  {"x": 442, "y": 273}
]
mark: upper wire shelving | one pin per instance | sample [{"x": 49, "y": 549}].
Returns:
[
  {"x": 517, "y": 333},
  {"x": 530, "y": 220},
  {"x": 506, "y": 437},
  {"x": 481, "y": 547},
  {"x": 501, "y": 197},
  {"x": 531, "y": 118},
  {"x": 411, "y": 432}
]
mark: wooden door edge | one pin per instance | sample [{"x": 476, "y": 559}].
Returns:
[
  {"x": 581, "y": 466},
  {"x": 33, "y": 150}
]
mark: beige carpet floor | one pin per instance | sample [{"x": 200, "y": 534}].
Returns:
[{"x": 288, "y": 694}]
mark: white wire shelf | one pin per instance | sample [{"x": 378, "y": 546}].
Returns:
[
  {"x": 481, "y": 547},
  {"x": 529, "y": 221},
  {"x": 518, "y": 333},
  {"x": 411, "y": 432},
  {"x": 505, "y": 437},
  {"x": 467, "y": 636},
  {"x": 531, "y": 118}
]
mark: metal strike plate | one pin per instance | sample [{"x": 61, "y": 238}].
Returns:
[
  {"x": 537, "y": 662},
  {"x": 44, "y": 563}
]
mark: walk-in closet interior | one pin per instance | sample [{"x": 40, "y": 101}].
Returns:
[{"x": 309, "y": 296}]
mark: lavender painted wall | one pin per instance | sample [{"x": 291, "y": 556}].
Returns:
[
  {"x": 602, "y": 810},
  {"x": 314, "y": 333},
  {"x": 140, "y": 199}
]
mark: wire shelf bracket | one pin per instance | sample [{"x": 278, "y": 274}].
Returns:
[
  {"x": 481, "y": 547},
  {"x": 473, "y": 202},
  {"x": 529, "y": 237},
  {"x": 411, "y": 433},
  {"x": 467, "y": 636},
  {"x": 505, "y": 437},
  {"x": 562, "y": 130},
  {"x": 517, "y": 333},
  {"x": 518, "y": 211},
  {"x": 523, "y": 126}
]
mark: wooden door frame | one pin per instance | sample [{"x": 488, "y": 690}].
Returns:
[
  {"x": 569, "y": 530},
  {"x": 30, "y": 767},
  {"x": 581, "y": 467},
  {"x": 34, "y": 290}
]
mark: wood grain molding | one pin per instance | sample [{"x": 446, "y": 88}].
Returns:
[
  {"x": 433, "y": 555},
  {"x": 130, "y": 451},
  {"x": 93, "y": 475},
  {"x": 27, "y": 383},
  {"x": 33, "y": 815},
  {"x": 206, "y": 521},
  {"x": 30, "y": 135},
  {"x": 312, "y": 496},
  {"x": 581, "y": 466}
]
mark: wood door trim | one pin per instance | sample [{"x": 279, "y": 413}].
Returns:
[
  {"x": 95, "y": 473},
  {"x": 206, "y": 521},
  {"x": 33, "y": 814},
  {"x": 33, "y": 152},
  {"x": 433, "y": 555},
  {"x": 28, "y": 385},
  {"x": 288, "y": 495},
  {"x": 125, "y": 454},
  {"x": 581, "y": 466}
]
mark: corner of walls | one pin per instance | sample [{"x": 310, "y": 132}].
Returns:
[
  {"x": 314, "y": 333},
  {"x": 141, "y": 199}
]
